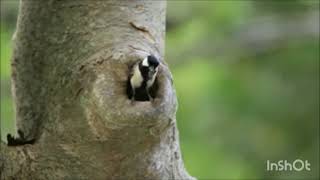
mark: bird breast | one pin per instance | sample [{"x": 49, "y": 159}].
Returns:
[
  {"x": 137, "y": 78},
  {"x": 152, "y": 79}
]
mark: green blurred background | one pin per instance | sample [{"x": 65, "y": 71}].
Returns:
[{"x": 247, "y": 80}]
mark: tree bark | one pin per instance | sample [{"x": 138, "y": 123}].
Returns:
[{"x": 69, "y": 71}]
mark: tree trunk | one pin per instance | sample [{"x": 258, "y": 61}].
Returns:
[{"x": 69, "y": 71}]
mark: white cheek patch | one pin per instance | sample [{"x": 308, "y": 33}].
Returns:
[{"x": 145, "y": 62}]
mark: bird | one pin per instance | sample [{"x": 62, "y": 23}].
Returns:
[{"x": 142, "y": 78}]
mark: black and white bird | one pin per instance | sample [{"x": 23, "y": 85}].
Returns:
[{"x": 142, "y": 78}]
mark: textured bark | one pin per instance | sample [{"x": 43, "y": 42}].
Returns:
[{"x": 69, "y": 71}]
